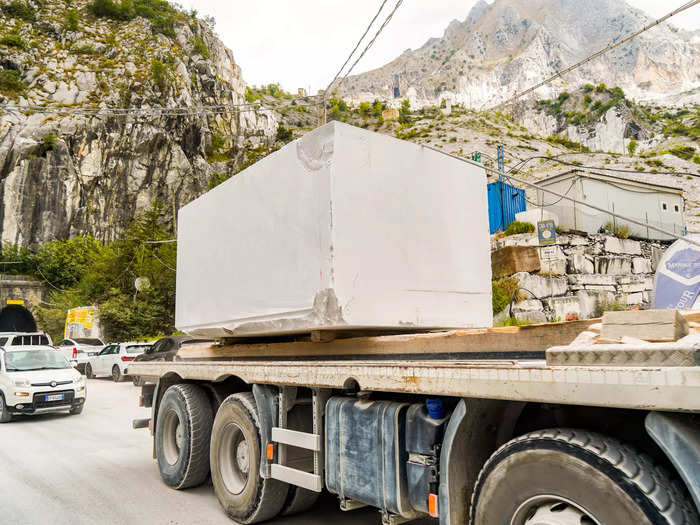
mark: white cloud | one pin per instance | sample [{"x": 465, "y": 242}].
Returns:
[{"x": 303, "y": 43}]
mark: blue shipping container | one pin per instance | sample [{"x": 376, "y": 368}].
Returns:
[{"x": 504, "y": 202}]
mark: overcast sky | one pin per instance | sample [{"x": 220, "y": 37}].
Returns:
[{"x": 302, "y": 43}]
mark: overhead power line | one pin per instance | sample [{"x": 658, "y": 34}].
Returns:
[
  {"x": 575, "y": 201},
  {"x": 357, "y": 45},
  {"x": 371, "y": 42},
  {"x": 603, "y": 51}
]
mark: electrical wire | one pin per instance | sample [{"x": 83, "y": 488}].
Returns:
[
  {"x": 603, "y": 51},
  {"x": 575, "y": 201},
  {"x": 357, "y": 45},
  {"x": 371, "y": 42}
]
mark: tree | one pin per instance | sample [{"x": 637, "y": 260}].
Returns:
[{"x": 405, "y": 112}]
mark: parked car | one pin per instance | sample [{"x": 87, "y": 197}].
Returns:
[
  {"x": 80, "y": 349},
  {"x": 8, "y": 339},
  {"x": 112, "y": 360},
  {"x": 164, "y": 349},
  {"x": 36, "y": 379}
]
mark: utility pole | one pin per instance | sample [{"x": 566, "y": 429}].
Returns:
[
  {"x": 501, "y": 169},
  {"x": 321, "y": 107}
]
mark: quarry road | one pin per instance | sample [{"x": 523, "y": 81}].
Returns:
[{"x": 93, "y": 468}]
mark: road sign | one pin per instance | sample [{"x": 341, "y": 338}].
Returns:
[{"x": 547, "y": 232}]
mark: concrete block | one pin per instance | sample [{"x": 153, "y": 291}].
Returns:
[
  {"x": 650, "y": 325},
  {"x": 613, "y": 265},
  {"x": 520, "y": 239},
  {"x": 531, "y": 317},
  {"x": 594, "y": 279},
  {"x": 561, "y": 306},
  {"x": 552, "y": 260},
  {"x": 632, "y": 299},
  {"x": 528, "y": 305},
  {"x": 623, "y": 246},
  {"x": 542, "y": 286},
  {"x": 641, "y": 265},
  {"x": 340, "y": 229},
  {"x": 509, "y": 260},
  {"x": 580, "y": 263},
  {"x": 590, "y": 301}
]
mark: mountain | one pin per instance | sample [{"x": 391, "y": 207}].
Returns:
[
  {"x": 509, "y": 45},
  {"x": 69, "y": 172}
]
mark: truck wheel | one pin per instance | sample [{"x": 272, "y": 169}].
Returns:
[
  {"x": 562, "y": 476},
  {"x": 235, "y": 463},
  {"x": 117, "y": 376},
  {"x": 88, "y": 372},
  {"x": 183, "y": 432},
  {"x": 299, "y": 500},
  {"x": 5, "y": 415}
]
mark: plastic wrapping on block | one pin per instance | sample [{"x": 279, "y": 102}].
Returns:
[
  {"x": 366, "y": 455},
  {"x": 341, "y": 229}
]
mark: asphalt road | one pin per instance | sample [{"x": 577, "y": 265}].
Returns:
[{"x": 93, "y": 468}]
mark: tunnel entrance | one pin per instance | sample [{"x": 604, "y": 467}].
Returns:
[{"x": 16, "y": 318}]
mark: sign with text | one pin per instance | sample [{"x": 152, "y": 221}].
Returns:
[{"x": 547, "y": 232}]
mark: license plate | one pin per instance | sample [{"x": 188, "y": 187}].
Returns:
[{"x": 55, "y": 397}]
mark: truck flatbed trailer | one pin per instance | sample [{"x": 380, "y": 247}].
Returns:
[{"x": 584, "y": 438}]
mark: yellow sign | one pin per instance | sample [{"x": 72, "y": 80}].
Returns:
[
  {"x": 15, "y": 301},
  {"x": 79, "y": 322}
]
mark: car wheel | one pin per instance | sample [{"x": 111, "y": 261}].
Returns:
[
  {"x": 117, "y": 376},
  {"x": 77, "y": 410},
  {"x": 575, "y": 476},
  {"x": 183, "y": 434},
  {"x": 5, "y": 415},
  {"x": 235, "y": 464},
  {"x": 88, "y": 372}
]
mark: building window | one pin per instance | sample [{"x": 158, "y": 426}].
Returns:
[
  {"x": 676, "y": 208},
  {"x": 664, "y": 206}
]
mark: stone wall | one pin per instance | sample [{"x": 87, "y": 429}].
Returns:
[{"x": 580, "y": 273}]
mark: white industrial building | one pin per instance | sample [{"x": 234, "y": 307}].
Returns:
[{"x": 653, "y": 204}]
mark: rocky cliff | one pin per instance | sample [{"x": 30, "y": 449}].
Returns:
[
  {"x": 509, "y": 45},
  {"x": 82, "y": 168}
]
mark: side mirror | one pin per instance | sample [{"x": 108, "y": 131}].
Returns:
[{"x": 73, "y": 363}]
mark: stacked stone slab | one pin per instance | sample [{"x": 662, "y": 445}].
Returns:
[{"x": 579, "y": 274}]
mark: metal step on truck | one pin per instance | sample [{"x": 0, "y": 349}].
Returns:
[{"x": 347, "y": 280}]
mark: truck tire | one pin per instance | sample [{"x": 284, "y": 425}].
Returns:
[
  {"x": 235, "y": 463},
  {"x": 575, "y": 476},
  {"x": 299, "y": 500},
  {"x": 5, "y": 415},
  {"x": 88, "y": 372},
  {"x": 183, "y": 433}
]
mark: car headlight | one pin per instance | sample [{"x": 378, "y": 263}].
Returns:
[{"x": 22, "y": 382}]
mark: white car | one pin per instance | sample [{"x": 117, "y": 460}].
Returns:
[
  {"x": 113, "y": 360},
  {"x": 80, "y": 349},
  {"x": 8, "y": 339},
  {"x": 37, "y": 379}
]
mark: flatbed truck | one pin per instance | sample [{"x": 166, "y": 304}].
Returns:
[{"x": 489, "y": 427}]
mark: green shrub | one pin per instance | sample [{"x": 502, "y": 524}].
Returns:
[
  {"x": 13, "y": 40},
  {"x": 588, "y": 88},
  {"x": 621, "y": 231},
  {"x": 251, "y": 95},
  {"x": 19, "y": 9},
  {"x": 517, "y": 227},
  {"x": 71, "y": 20},
  {"x": 503, "y": 291},
  {"x": 48, "y": 142},
  {"x": 83, "y": 49},
  {"x": 217, "y": 179},
  {"x": 587, "y": 100},
  {"x": 159, "y": 13},
  {"x": 682, "y": 152},
  {"x": 200, "y": 47},
  {"x": 10, "y": 82},
  {"x": 161, "y": 74},
  {"x": 405, "y": 112},
  {"x": 570, "y": 144},
  {"x": 283, "y": 134},
  {"x": 609, "y": 306},
  {"x": 364, "y": 109},
  {"x": 601, "y": 88},
  {"x": 632, "y": 147}
]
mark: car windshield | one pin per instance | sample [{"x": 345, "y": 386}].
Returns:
[
  {"x": 137, "y": 349},
  {"x": 22, "y": 361},
  {"x": 91, "y": 342}
]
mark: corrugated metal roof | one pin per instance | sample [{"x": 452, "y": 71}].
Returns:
[{"x": 634, "y": 178}]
